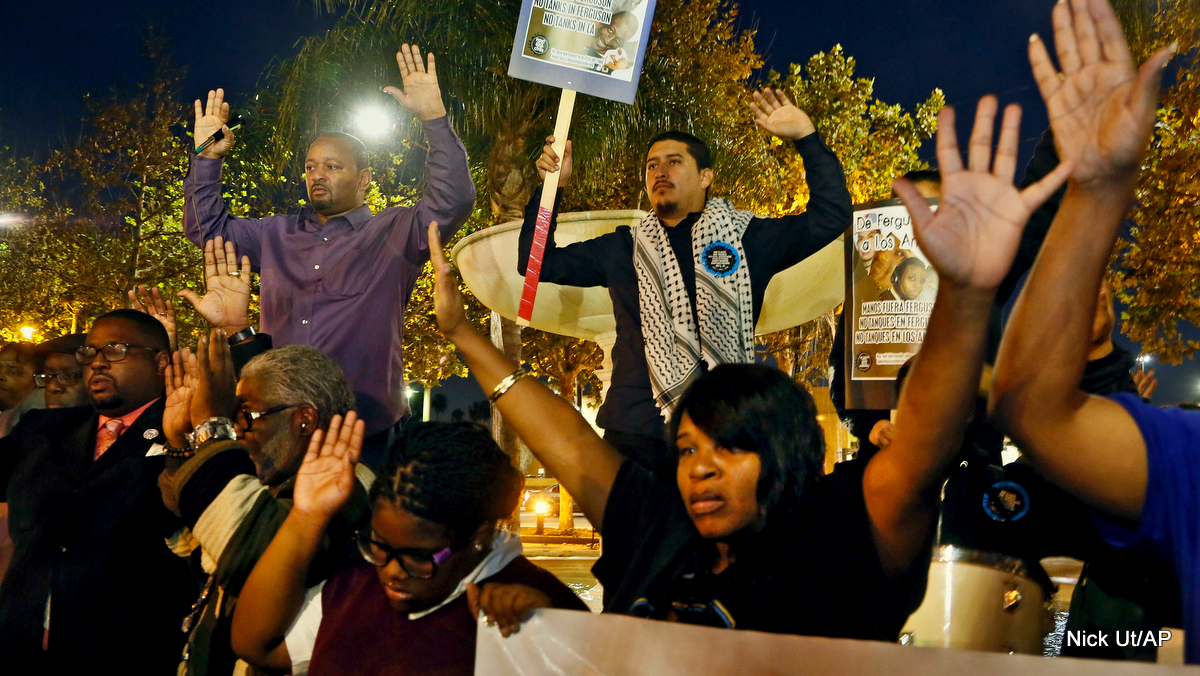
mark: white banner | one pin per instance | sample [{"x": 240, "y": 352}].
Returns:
[{"x": 559, "y": 642}]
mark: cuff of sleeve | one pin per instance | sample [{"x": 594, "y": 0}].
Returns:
[
  {"x": 204, "y": 476},
  {"x": 810, "y": 143},
  {"x": 438, "y": 129},
  {"x": 206, "y": 169}
]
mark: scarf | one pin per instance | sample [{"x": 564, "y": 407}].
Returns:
[{"x": 675, "y": 346}]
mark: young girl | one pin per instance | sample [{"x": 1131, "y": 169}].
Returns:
[{"x": 432, "y": 543}]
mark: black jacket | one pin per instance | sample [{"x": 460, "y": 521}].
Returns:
[
  {"x": 91, "y": 533},
  {"x": 771, "y": 245}
]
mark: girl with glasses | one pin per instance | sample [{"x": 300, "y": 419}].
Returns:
[{"x": 433, "y": 557}]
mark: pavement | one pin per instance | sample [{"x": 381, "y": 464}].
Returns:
[{"x": 572, "y": 564}]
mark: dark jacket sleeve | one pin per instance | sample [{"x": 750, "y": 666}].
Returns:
[
  {"x": 578, "y": 264},
  {"x": 780, "y": 243},
  {"x": 242, "y": 353}
]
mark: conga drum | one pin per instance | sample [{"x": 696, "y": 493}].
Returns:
[{"x": 980, "y": 601}]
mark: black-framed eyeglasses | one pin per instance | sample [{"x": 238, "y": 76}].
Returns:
[
  {"x": 66, "y": 378},
  {"x": 418, "y": 563},
  {"x": 246, "y": 419},
  {"x": 112, "y": 352}
]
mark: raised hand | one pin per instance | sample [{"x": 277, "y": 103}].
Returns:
[
  {"x": 177, "y": 419},
  {"x": 779, "y": 116},
  {"x": 1101, "y": 109},
  {"x": 447, "y": 298},
  {"x": 421, "y": 94},
  {"x": 1145, "y": 382},
  {"x": 326, "y": 478},
  {"x": 548, "y": 161},
  {"x": 210, "y": 118},
  {"x": 505, "y": 604},
  {"x": 216, "y": 385},
  {"x": 227, "y": 301},
  {"x": 973, "y": 237},
  {"x": 152, "y": 303}
]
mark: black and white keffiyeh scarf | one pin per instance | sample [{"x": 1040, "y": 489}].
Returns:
[{"x": 724, "y": 304}]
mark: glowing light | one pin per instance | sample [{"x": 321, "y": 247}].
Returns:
[
  {"x": 10, "y": 219},
  {"x": 1144, "y": 359},
  {"x": 373, "y": 121},
  {"x": 27, "y": 332},
  {"x": 541, "y": 507},
  {"x": 409, "y": 391}
]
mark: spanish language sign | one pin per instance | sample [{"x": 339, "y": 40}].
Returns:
[
  {"x": 890, "y": 288},
  {"x": 590, "y": 46}
]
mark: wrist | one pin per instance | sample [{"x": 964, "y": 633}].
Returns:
[
  {"x": 1106, "y": 189},
  {"x": 308, "y": 524},
  {"x": 430, "y": 116},
  {"x": 239, "y": 333}
]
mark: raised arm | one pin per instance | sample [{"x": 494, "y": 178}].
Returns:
[
  {"x": 782, "y": 242},
  {"x": 578, "y": 264},
  {"x": 205, "y": 215},
  {"x": 560, "y": 438},
  {"x": 273, "y": 593},
  {"x": 1102, "y": 111},
  {"x": 971, "y": 241},
  {"x": 450, "y": 193}
]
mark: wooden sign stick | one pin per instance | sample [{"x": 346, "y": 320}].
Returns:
[{"x": 533, "y": 269}]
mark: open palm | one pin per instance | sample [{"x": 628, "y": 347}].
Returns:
[
  {"x": 211, "y": 118},
  {"x": 226, "y": 303},
  {"x": 1101, "y": 109},
  {"x": 421, "y": 94},
  {"x": 181, "y": 386},
  {"x": 973, "y": 237},
  {"x": 326, "y": 478}
]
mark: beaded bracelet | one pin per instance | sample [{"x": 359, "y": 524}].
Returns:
[{"x": 507, "y": 383}]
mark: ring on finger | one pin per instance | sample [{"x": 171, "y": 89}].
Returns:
[{"x": 235, "y": 273}]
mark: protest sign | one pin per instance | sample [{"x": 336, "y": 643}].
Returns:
[
  {"x": 556, "y": 642},
  {"x": 592, "y": 46},
  {"x": 890, "y": 289}
]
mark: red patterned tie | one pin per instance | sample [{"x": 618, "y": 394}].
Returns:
[{"x": 107, "y": 436}]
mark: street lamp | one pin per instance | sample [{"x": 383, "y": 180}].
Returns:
[
  {"x": 27, "y": 332},
  {"x": 1144, "y": 359},
  {"x": 373, "y": 121}
]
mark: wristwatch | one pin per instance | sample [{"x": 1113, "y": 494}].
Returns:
[
  {"x": 213, "y": 429},
  {"x": 243, "y": 335}
]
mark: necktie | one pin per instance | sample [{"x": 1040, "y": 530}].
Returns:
[{"x": 108, "y": 435}]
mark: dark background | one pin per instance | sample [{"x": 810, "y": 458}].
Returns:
[{"x": 58, "y": 52}]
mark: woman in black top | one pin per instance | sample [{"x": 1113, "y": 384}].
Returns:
[{"x": 753, "y": 535}]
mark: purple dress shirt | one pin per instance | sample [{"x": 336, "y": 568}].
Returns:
[{"x": 342, "y": 287}]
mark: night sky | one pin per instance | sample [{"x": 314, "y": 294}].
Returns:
[{"x": 60, "y": 51}]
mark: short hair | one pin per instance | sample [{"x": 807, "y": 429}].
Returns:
[
  {"x": 452, "y": 474},
  {"x": 362, "y": 158},
  {"x": 924, "y": 176},
  {"x": 696, "y": 148},
  {"x": 302, "y": 374},
  {"x": 759, "y": 409},
  {"x": 148, "y": 325}
]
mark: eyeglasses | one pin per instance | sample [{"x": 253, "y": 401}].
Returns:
[
  {"x": 246, "y": 418},
  {"x": 66, "y": 378},
  {"x": 112, "y": 352},
  {"x": 417, "y": 563}
]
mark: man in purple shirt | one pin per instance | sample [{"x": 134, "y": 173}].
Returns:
[{"x": 334, "y": 276}]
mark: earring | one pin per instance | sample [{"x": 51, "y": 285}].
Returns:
[
  {"x": 303, "y": 427},
  {"x": 478, "y": 547}
]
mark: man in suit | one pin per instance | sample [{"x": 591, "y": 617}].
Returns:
[{"x": 93, "y": 586}]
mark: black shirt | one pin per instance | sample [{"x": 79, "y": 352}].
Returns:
[
  {"x": 817, "y": 575},
  {"x": 771, "y": 244}
]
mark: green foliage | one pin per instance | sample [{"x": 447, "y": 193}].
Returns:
[{"x": 1156, "y": 272}]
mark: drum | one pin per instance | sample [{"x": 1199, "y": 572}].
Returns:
[{"x": 980, "y": 601}]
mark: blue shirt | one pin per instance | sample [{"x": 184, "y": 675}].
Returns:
[{"x": 1170, "y": 523}]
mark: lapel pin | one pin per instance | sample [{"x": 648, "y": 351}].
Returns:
[{"x": 150, "y": 434}]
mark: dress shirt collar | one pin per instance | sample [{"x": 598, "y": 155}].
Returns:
[
  {"x": 357, "y": 218},
  {"x": 128, "y": 418}
]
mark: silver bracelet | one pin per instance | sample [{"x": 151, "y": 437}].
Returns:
[{"x": 507, "y": 383}]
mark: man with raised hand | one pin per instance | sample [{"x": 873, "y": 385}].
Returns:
[
  {"x": 687, "y": 283},
  {"x": 334, "y": 276},
  {"x": 1133, "y": 463}
]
